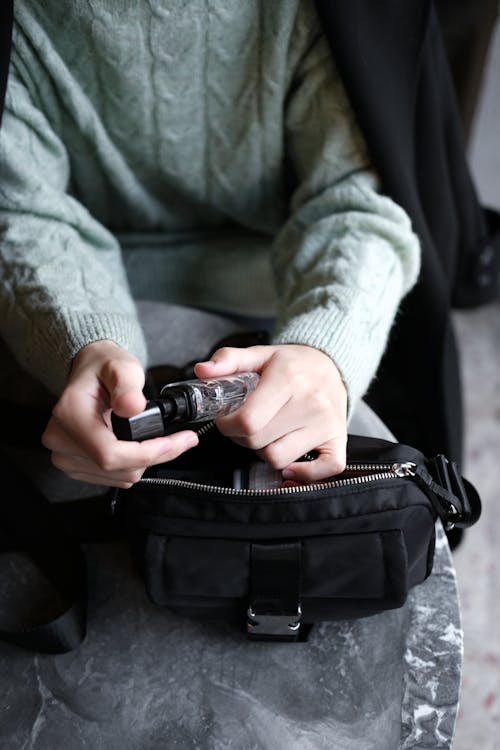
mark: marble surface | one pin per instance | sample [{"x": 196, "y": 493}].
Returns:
[{"x": 146, "y": 678}]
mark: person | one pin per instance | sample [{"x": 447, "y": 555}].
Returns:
[{"x": 204, "y": 156}]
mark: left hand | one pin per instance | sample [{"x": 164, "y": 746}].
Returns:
[{"x": 300, "y": 405}]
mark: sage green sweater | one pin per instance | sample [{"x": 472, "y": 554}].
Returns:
[{"x": 202, "y": 153}]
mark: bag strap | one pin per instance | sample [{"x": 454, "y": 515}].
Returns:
[
  {"x": 456, "y": 500},
  {"x": 275, "y": 579},
  {"x": 30, "y": 526}
]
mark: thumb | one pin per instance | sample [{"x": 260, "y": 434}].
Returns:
[{"x": 124, "y": 381}]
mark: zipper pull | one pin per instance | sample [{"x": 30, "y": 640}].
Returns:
[{"x": 407, "y": 469}]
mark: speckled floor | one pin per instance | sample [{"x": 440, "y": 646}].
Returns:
[{"x": 478, "y": 559}]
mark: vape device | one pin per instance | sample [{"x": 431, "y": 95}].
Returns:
[{"x": 186, "y": 402}]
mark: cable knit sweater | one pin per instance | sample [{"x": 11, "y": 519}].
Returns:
[{"x": 203, "y": 153}]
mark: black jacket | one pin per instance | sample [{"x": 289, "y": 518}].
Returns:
[{"x": 391, "y": 57}]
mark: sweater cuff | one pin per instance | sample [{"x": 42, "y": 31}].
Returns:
[
  {"x": 352, "y": 339},
  {"x": 61, "y": 340}
]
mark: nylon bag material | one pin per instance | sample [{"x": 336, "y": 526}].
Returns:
[{"x": 363, "y": 545}]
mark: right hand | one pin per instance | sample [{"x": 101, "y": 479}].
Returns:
[{"x": 105, "y": 377}]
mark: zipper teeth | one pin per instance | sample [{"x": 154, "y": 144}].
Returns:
[
  {"x": 381, "y": 472},
  {"x": 205, "y": 428}
]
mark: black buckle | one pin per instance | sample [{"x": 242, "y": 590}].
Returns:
[
  {"x": 274, "y": 611},
  {"x": 271, "y": 626}
]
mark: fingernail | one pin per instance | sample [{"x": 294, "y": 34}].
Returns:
[
  {"x": 208, "y": 363},
  {"x": 288, "y": 473}
]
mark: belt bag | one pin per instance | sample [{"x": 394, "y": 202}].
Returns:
[{"x": 275, "y": 559}]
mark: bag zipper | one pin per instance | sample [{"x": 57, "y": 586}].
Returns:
[
  {"x": 204, "y": 429},
  {"x": 371, "y": 473},
  {"x": 364, "y": 473}
]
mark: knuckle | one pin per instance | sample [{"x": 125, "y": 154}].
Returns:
[
  {"x": 46, "y": 439},
  {"x": 290, "y": 371},
  {"x": 247, "y": 441},
  {"x": 337, "y": 464},
  {"x": 225, "y": 352},
  {"x": 63, "y": 412},
  {"x": 248, "y": 423},
  {"x": 274, "y": 456},
  {"x": 110, "y": 371},
  {"x": 320, "y": 401},
  {"x": 60, "y": 409},
  {"x": 138, "y": 477},
  {"x": 106, "y": 461},
  {"x": 133, "y": 476},
  {"x": 253, "y": 443},
  {"x": 57, "y": 460}
]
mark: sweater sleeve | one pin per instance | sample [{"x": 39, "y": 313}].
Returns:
[
  {"x": 347, "y": 254},
  {"x": 63, "y": 285}
]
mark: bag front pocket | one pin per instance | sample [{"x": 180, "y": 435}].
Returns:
[{"x": 340, "y": 575}]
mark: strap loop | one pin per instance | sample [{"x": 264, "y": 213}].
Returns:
[
  {"x": 274, "y": 612},
  {"x": 456, "y": 501}
]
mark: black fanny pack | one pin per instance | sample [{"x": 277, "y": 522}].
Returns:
[{"x": 216, "y": 536}]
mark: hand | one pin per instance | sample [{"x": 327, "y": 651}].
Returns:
[
  {"x": 105, "y": 377},
  {"x": 300, "y": 404}
]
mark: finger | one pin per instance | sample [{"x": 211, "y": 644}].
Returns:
[
  {"x": 272, "y": 409},
  {"x": 71, "y": 464},
  {"x": 124, "y": 382},
  {"x": 291, "y": 447},
  {"x": 330, "y": 461},
  {"x": 85, "y": 470},
  {"x": 101, "y": 481},
  {"x": 92, "y": 439},
  {"x": 293, "y": 416},
  {"x": 231, "y": 359}
]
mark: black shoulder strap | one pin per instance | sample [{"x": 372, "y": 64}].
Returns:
[
  {"x": 30, "y": 526},
  {"x": 50, "y": 536}
]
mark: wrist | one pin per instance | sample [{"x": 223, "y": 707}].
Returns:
[
  {"x": 95, "y": 353},
  {"x": 327, "y": 361}
]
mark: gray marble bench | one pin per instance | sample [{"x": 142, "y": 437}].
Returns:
[{"x": 145, "y": 678}]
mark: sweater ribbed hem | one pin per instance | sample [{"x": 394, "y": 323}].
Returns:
[
  {"x": 354, "y": 346},
  {"x": 60, "y": 341}
]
